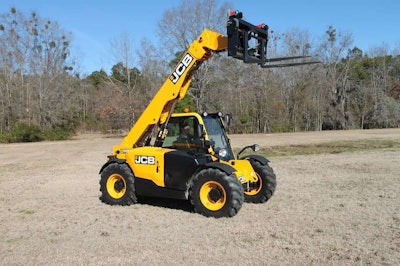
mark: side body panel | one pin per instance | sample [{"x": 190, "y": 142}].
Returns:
[{"x": 147, "y": 163}]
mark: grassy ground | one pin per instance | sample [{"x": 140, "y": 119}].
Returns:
[
  {"x": 337, "y": 206},
  {"x": 330, "y": 147}
]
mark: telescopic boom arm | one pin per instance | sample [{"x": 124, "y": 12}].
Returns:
[{"x": 174, "y": 88}]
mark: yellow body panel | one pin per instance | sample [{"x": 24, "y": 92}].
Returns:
[
  {"x": 147, "y": 163},
  {"x": 244, "y": 170}
]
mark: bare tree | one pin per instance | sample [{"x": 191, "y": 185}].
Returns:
[
  {"x": 386, "y": 108},
  {"x": 300, "y": 91},
  {"x": 153, "y": 68},
  {"x": 124, "y": 53},
  {"x": 332, "y": 51},
  {"x": 14, "y": 46},
  {"x": 125, "y": 76},
  {"x": 181, "y": 25},
  {"x": 34, "y": 56},
  {"x": 153, "y": 73}
]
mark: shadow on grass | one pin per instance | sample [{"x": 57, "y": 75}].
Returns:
[{"x": 175, "y": 204}]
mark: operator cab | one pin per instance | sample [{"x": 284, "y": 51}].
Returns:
[
  {"x": 184, "y": 134},
  {"x": 196, "y": 133}
]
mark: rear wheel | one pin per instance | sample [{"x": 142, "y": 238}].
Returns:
[
  {"x": 264, "y": 187},
  {"x": 117, "y": 185},
  {"x": 215, "y": 194}
]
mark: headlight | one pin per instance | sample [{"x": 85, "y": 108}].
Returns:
[{"x": 222, "y": 153}]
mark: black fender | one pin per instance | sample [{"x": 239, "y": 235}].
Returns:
[
  {"x": 223, "y": 167},
  {"x": 254, "y": 157},
  {"x": 111, "y": 160}
]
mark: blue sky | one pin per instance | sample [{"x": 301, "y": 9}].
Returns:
[{"x": 95, "y": 23}]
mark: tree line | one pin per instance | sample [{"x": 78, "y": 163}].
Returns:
[{"x": 43, "y": 97}]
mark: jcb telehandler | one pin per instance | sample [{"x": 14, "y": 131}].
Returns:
[{"x": 189, "y": 156}]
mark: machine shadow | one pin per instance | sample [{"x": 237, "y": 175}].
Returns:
[{"x": 175, "y": 204}]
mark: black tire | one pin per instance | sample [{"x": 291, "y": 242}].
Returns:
[
  {"x": 213, "y": 193},
  {"x": 265, "y": 185},
  {"x": 117, "y": 185}
]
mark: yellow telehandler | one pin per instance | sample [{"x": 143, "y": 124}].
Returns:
[{"x": 188, "y": 155}]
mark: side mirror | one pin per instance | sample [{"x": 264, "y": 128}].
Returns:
[
  {"x": 254, "y": 147},
  {"x": 228, "y": 119}
]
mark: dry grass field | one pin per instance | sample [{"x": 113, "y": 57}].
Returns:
[{"x": 328, "y": 209}]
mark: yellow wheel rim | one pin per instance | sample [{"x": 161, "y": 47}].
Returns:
[
  {"x": 254, "y": 191},
  {"x": 207, "y": 200},
  {"x": 116, "y": 186}
]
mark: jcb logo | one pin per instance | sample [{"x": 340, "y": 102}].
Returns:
[
  {"x": 141, "y": 159},
  {"x": 181, "y": 68}
]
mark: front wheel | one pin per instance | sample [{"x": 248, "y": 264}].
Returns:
[
  {"x": 263, "y": 189},
  {"x": 117, "y": 185},
  {"x": 213, "y": 193}
]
